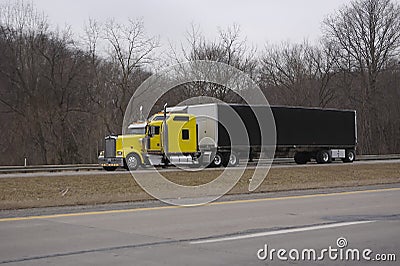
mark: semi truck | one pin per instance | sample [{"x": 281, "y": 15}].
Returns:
[{"x": 219, "y": 134}]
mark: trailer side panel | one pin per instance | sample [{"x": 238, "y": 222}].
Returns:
[{"x": 295, "y": 126}]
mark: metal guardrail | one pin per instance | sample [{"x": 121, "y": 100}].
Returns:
[
  {"x": 94, "y": 167},
  {"x": 48, "y": 168}
]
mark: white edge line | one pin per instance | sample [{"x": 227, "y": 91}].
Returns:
[{"x": 278, "y": 232}]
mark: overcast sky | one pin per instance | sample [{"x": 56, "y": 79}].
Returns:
[{"x": 261, "y": 21}]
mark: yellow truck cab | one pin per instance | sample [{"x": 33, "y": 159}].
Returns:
[
  {"x": 124, "y": 150},
  {"x": 173, "y": 141}
]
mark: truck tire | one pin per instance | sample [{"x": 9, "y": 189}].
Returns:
[
  {"x": 350, "y": 156},
  {"x": 301, "y": 158},
  {"x": 323, "y": 157},
  {"x": 217, "y": 161},
  {"x": 233, "y": 159},
  {"x": 132, "y": 161},
  {"x": 109, "y": 168}
]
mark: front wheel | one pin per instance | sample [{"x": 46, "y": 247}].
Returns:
[{"x": 132, "y": 161}]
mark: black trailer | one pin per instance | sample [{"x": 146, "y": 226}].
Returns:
[{"x": 305, "y": 133}]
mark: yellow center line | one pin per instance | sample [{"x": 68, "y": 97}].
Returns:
[
  {"x": 210, "y": 204},
  {"x": 308, "y": 196}
]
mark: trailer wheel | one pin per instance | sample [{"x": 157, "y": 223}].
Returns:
[
  {"x": 132, "y": 161},
  {"x": 301, "y": 158},
  {"x": 217, "y": 161},
  {"x": 323, "y": 157},
  {"x": 233, "y": 159},
  {"x": 349, "y": 157},
  {"x": 109, "y": 168}
]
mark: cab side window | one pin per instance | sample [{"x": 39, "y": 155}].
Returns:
[
  {"x": 154, "y": 130},
  {"x": 157, "y": 130},
  {"x": 185, "y": 134}
]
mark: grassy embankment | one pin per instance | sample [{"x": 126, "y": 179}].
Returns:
[{"x": 26, "y": 192}]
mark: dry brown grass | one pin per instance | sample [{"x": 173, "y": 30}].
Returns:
[{"x": 97, "y": 189}]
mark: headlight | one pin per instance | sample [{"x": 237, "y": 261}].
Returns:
[
  {"x": 101, "y": 153},
  {"x": 119, "y": 152}
]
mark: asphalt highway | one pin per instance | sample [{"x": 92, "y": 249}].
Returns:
[{"x": 228, "y": 232}]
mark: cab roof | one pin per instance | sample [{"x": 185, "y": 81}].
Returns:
[{"x": 137, "y": 125}]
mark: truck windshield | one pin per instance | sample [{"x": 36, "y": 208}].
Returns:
[{"x": 136, "y": 131}]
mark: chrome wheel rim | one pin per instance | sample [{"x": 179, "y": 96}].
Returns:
[{"x": 132, "y": 162}]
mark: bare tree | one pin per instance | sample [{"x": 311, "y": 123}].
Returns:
[
  {"x": 21, "y": 26},
  {"x": 43, "y": 103},
  {"x": 101, "y": 75},
  {"x": 91, "y": 39},
  {"x": 366, "y": 34},
  {"x": 230, "y": 48},
  {"x": 130, "y": 50},
  {"x": 300, "y": 74}
]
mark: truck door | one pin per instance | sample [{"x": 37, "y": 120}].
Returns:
[{"x": 154, "y": 138}]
